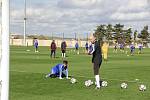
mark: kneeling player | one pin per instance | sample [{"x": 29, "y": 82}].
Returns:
[{"x": 60, "y": 70}]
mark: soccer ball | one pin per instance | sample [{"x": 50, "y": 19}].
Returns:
[
  {"x": 88, "y": 83},
  {"x": 142, "y": 87},
  {"x": 136, "y": 79},
  {"x": 28, "y": 50},
  {"x": 104, "y": 83},
  {"x": 73, "y": 80},
  {"x": 124, "y": 85}
]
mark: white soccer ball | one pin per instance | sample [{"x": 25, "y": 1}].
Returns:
[
  {"x": 104, "y": 83},
  {"x": 28, "y": 50},
  {"x": 124, "y": 85},
  {"x": 142, "y": 87},
  {"x": 73, "y": 80},
  {"x": 88, "y": 83},
  {"x": 136, "y": 79}
]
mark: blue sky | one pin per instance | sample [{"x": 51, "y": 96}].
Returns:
[{"x": 81, "y": 16}]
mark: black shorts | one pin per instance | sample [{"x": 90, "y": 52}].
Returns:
[
  {"x": 140, "y": 49},
  {"x": 52, "y": 51},
  {"x": 87, "y": 48},
  {"x": 77, "y": 48},
  {"x": 96, "y": 67},
  {"x": 63, "y": 51}
]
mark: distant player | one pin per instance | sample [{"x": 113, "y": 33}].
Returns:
[
  {"x": 121, "y": 47},
  {"x": 53, "y": 48},
  {"x": 36, "y": 45},
  {"x": 60, "y": 70},
  {"x": 86, "y": 46},
  {"x": 63, "y": 49},
  {"x": 132, "y": 48},
  {"x": 77, "y": 47},
  {"x": 115, "y": 48},
  {"x": 140, "y": 48},
  {"x": 90, "y": 49},
  {"x": 105, "y": 50},
  {"x": 96, "y": 59}
]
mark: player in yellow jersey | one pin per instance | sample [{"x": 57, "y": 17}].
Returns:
[{"x": 105, "y": 50}]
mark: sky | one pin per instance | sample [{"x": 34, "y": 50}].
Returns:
[{"x": 77, "y": 16}]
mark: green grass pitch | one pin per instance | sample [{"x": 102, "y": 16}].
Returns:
[{"x": 28, "y": 70}]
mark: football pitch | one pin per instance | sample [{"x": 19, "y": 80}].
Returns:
[{"x": 28, "y": 70}]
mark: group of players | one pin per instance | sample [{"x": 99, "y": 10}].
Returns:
[
  {"x": 131, "y": 47},
  {"x": 61, "y": 70},
  {"x": 53, "y": 48}
]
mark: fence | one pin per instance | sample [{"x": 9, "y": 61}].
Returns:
[{"x": 29, "y": 42}]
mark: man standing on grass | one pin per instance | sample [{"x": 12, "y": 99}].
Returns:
[
  {"x": 53, "y": 48},
  {"x": 140, "y": 48},
  {"x": 63, "y": 49},
  {"x": 105, "y": 47},
  {"x": 77, "y": 47},
  {"x": 90, "y": 49},
  {"x": 96, "y": 59},
  {"x": 115, "y": 48},
  {"x": 86, "y": 47},
  {"x": 132, "y": 48},
  {"x": 36, "y": 45}
]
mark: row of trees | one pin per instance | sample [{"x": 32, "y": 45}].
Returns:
[{"x": 120, "y": 34}]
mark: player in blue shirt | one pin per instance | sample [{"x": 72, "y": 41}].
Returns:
[
  {"x": 132, "y": 48},
  {"x": 140, "y": 48},
  {"x": 36, "y": 45},
  {"x": 90, "y": 49},
  {"x": 122, "y": 47},
  {"x": 60, "y": 70},
  {"x": 86, "y": 46},
  {"x": 77, "y": 47}
]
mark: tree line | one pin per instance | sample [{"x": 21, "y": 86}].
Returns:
[{"x": 118, "y": 33}]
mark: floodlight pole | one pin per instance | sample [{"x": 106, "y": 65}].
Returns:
[
  {"x": 75, "y": 35},
  {"x": 52, "y": 36},
  {"x": 5, "y": 51},
  {"x": 63, "y": 36},
  {"x": 87, "y": 36},
  {"x": 24, "y": 37}
]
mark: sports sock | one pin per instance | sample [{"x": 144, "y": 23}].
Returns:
[
  {"x": 97, "y": 80},
  {"x": 64, "y": 55}
]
